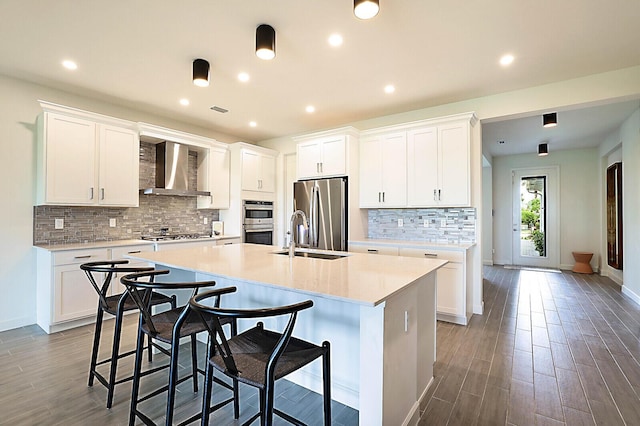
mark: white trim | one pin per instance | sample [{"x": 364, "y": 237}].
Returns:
[
  {"x": 631, "y": 294},
  {"x": 467, "y": 116},
  {"x": 88, "y": 115}
]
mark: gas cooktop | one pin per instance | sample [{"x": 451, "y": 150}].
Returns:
[{"x": 174, "y": 237}]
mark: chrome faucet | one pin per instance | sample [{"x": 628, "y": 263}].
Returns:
[{"x": 292, "y": 244}]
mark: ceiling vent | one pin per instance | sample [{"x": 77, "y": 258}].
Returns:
[{"x": 219, "y": 109}]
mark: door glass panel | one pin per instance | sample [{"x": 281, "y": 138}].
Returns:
[{"x": 533, "y": 191}]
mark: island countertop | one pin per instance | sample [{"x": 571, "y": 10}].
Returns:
[{"x": 358, "y": 278}]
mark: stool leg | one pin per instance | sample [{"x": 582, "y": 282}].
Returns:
[
  {"x": 194, "y": 363},
  {"x": 208, "y": 389},
  {"x": 268, "y": 400},
  {"x": 136, "y": 375},
  {"x": 173, "y": 378},
  {"x": 326, "y": 378},
  {"x": 117, "y": 332},
  {"x": 96, "y": 344}
]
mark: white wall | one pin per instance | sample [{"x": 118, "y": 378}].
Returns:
[
  {"x": 630, "y": 137},
  {"x": 18, "y": 111},
  {"x": 579, "y": 198},
  {"x": 487, "y": 215}
]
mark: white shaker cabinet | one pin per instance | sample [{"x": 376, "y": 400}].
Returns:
[
  {"x": 322, "y": 157},
  {"x": 258, "y": 171},
  {"x": 86, "y": 159},
  {"x": 438, "y": 165},
  {"x": 213, "y": 176},
  {"x": 383, "y": 175}
]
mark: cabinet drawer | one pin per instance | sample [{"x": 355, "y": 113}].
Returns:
[
  {"x": 80, "y": 256},
  {"x": 118, "y": 253},
  {"x": 390, "y": 251},
  {"x": 451, "y": 256}
]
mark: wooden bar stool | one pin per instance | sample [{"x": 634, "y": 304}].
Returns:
[
  {"x": 116, "y": 305},
  {"x": 258, "y": 357},
  {"x": 167, "y": 327}
]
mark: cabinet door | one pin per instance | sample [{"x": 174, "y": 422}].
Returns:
[
  {"x": 451, "y": 295},
  {"x": 370, "y": 175},
  {"x": 119, "y": 167},
  {"x": 393, "y": 155},
  {"x": 334, "y": 159},
  {"x": 309, "y": 158},
  {"x": 74, "y": 296},
  {"x": 422, "y": 167},
  {"x": 70, "y": 149},
  {"x": 219, "y": 178},
  {"x": 454, "y": 164},
  {"x": 267, "y": 173},
  {"x": 250, "y": 170}
]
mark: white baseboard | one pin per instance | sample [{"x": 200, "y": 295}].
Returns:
[
  {"x": 488, "y": 262},
  {"x": 628, "y": 292},
  {"x": 16, "y": 323},
  {"x": 478, "y": 309}
]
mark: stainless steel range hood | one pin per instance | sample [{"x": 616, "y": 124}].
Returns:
[{"x": 172, "y": 171}]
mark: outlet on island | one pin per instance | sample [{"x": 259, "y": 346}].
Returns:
[
  {"x": 112, "y": 222},
  {"x": 59, "y": 224},
  {"x": 400, "y": 223}
]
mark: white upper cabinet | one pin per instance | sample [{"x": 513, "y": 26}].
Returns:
[
  {"x": 322, "y": 157},
  {"x": 383, "y": 178},
  {"x": 213, "y": 176},
  {"x": 438, "y": 167},
  {"x": 258, "y": 171},
  {"x": 86, "y": 160}
]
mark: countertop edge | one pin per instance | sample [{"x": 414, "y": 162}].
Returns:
[
  {"x": 122, "y": 243},
  {"x": 412, "y": 244}
]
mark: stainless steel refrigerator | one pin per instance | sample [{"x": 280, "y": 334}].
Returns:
[{"x": 324, "y": 201}]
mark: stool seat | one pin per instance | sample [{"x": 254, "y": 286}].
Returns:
[{"x": 582, "y": 265}]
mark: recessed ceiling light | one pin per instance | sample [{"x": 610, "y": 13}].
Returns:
[
  {"x": 243, "y": 76},
  {"x": 69, "y": 64},
  {"x": 335, "y": 40},
  {"x": 184, "y": 102},
  {"x": 389, "y": 88},
  {"x": 253, "y": 124},
  {"x": 310, "y": 109},
  {"x": 506, "y": 60}
]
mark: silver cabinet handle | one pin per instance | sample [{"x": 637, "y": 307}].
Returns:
[
  {"x": 383, "y": 197},
  {"x": 372, "y": 250},
  {"x": 86, "y": 256},
  {"x": 321, "y": 168},
  {"x": 430, "y": 255},
  {"x": 438, "y": 195},
  {"x": 91, "y": 193},
  {"x": 102, "y": 193},
  {"x": 434, "y": 195},
  {"x": 133, "y": 252}
]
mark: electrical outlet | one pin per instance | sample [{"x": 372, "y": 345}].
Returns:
[
  {"x": 443, "y": 222},
  {"x": 425, "y": 223},
  {"x": 59, "y": 224},
  {"x": 400, "y": 223},
  {"x": 206, "y": 220},
  {"x": 112, "y": 222}
]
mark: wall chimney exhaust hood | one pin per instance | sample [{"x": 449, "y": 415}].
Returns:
[{"x": 172, "y": 171}]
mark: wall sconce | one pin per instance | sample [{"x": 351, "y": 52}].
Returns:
[
  {"x": 366, "y": 9},
  {"x": 201, "y": 73},
  {"x": 265, "y": 42},
  {"x": 549, "y": 120},
  {"x": 543, "y": 149}
]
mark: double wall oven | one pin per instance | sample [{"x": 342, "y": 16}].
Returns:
[{"x": 257, "y": 222}]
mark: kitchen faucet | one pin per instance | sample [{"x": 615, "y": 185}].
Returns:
[{"x": 292, "y": 244}]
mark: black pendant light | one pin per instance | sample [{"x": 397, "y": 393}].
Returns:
[
  {"x": 543, "y": 149},
  {"x": 265, "y": 42},
  {"x": 366, "y": 9},
  {"x": 549, "y": 120},
  {"x": 201, "y": 72}
]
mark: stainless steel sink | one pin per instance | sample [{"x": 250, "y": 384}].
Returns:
[{"x": 313, "y": 254}]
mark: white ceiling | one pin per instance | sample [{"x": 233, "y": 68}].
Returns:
[{"x": 139, "y": 53}]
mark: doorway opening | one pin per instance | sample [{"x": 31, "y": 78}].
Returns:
[{"x": 533, "y": 222}]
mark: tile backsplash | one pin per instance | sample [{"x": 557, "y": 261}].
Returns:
[
  {"x": 450, "y": 225},
  {"x": 89, "y": 224}
]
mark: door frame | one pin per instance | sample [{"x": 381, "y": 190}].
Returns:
[{"x": 552, "y": 234}]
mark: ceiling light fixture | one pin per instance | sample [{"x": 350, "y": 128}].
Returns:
[
  {"x": 366, "y": 9},
  {"x": 389, "y": 88},
  {"x": 265, "y": 42},
  {"x": 243, "y": 76},
  {"x": 310, "y": 109},
  {"x": 253, "y": 124},
  {"x": 201, "y": 73},
  {"x": 184, "y": 102},
  {"x": 335, "y": 40},
  {"x": 543, "y": 149},
  {"x": 69, "y": 64},
  {"x": 550, "y": 119},
  {"x": 506, "y": 60}
]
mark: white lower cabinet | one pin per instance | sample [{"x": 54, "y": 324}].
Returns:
[{"x": 453, "y": 291}]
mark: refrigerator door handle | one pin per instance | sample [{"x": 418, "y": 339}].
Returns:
[{"x": 313, "y": 217}]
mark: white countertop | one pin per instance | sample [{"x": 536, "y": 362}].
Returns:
[
  {"x": 124, "y": 243},
  {"x": 412, "y": 244},
  {"x": 356, "y": 278}
]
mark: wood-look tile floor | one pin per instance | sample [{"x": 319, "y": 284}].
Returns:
[{"x": 551, "y": 349}]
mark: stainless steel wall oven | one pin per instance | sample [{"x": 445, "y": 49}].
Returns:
[{"x": 257, "y": 222}]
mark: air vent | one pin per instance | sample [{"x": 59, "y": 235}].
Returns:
[{"x": 219, "y": 109}]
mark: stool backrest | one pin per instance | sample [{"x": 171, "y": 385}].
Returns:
[
  {"x": 215, "y": 314},
  {"x": 110, "y": 268}
]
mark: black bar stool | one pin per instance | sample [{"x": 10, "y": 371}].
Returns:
[
  {"x": 116, "y": 305},
  {"x": 167, "y": 327},
  {"x": 258, "y": 357}
]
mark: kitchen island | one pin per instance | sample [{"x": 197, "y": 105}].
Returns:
[{"x": 378, "y": 312}]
